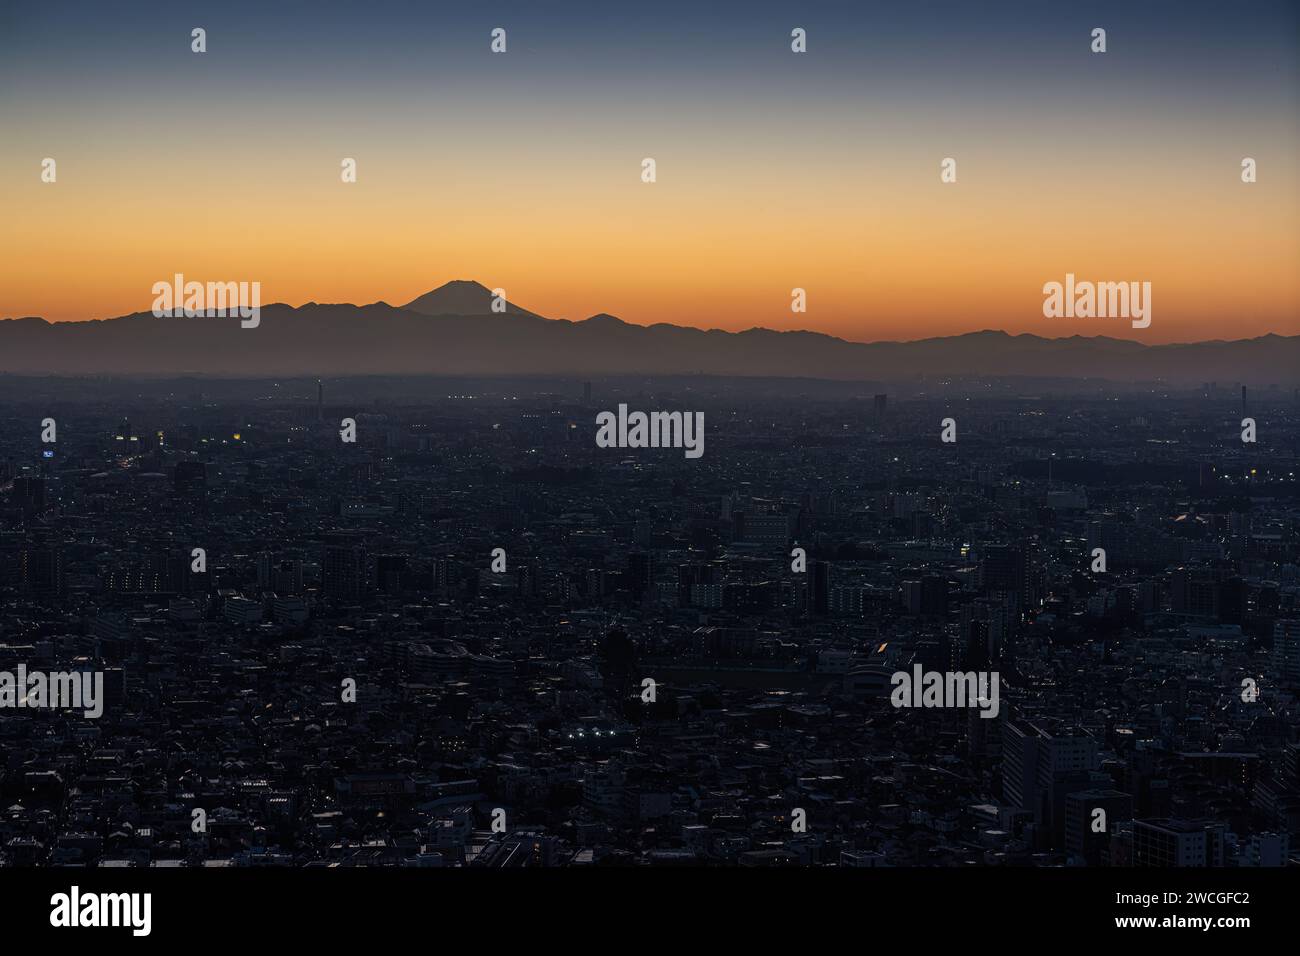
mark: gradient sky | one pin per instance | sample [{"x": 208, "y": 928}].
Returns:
[{"x": 775, "y": 170}]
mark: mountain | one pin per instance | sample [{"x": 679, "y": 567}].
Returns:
[
  {"x": 462, "y": 297},
  {"x": 453, "y": 331}
]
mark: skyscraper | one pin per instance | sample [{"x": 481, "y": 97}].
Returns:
[
  {"x": 1286, "y": 651},
  {"x": 1036, "y": 762},
  {"x": 343, "y": 569}
]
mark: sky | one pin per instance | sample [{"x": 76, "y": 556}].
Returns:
[{"x": 775, "y": 170}]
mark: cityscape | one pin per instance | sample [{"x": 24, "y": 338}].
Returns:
[
  {"x": 473, "y": 637},
  {"x": 842, "y": 454}
]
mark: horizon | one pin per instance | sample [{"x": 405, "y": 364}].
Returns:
[{"x": 516, "y": 309}]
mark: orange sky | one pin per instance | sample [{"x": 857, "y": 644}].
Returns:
[{"x": 742, "y": 212}]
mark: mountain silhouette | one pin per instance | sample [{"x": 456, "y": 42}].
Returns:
[
  {"x": 462, "y": 297},
  {"x": 452, "y": 330}
]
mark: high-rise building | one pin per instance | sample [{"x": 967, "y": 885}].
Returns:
[
  {"x": 1168, "y": 843},
  {"x": 1009, "y": 571},
  {"x": 640, "y": 572},
  {"x": 819, "y": 587},
  {"x": 1265, "y": 849},
  {"x": 344, "y": 569},
  {"x": 1036, "y": 760},
  {"x": 41, "y": 569},
  {"x": 390, "y": 571},
  {"x": 1286, "y": 651},
  {"x": 774, "y": 529},
  {"x": 1087, "y": 832}
]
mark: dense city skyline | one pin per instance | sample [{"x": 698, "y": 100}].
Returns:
[{"x": 493, "y": 587}]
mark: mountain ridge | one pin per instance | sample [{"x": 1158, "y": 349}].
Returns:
[{"x": 424, "y": 337}]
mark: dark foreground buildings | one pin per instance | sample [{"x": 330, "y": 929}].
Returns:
[{"x": 314, "y": 653}]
